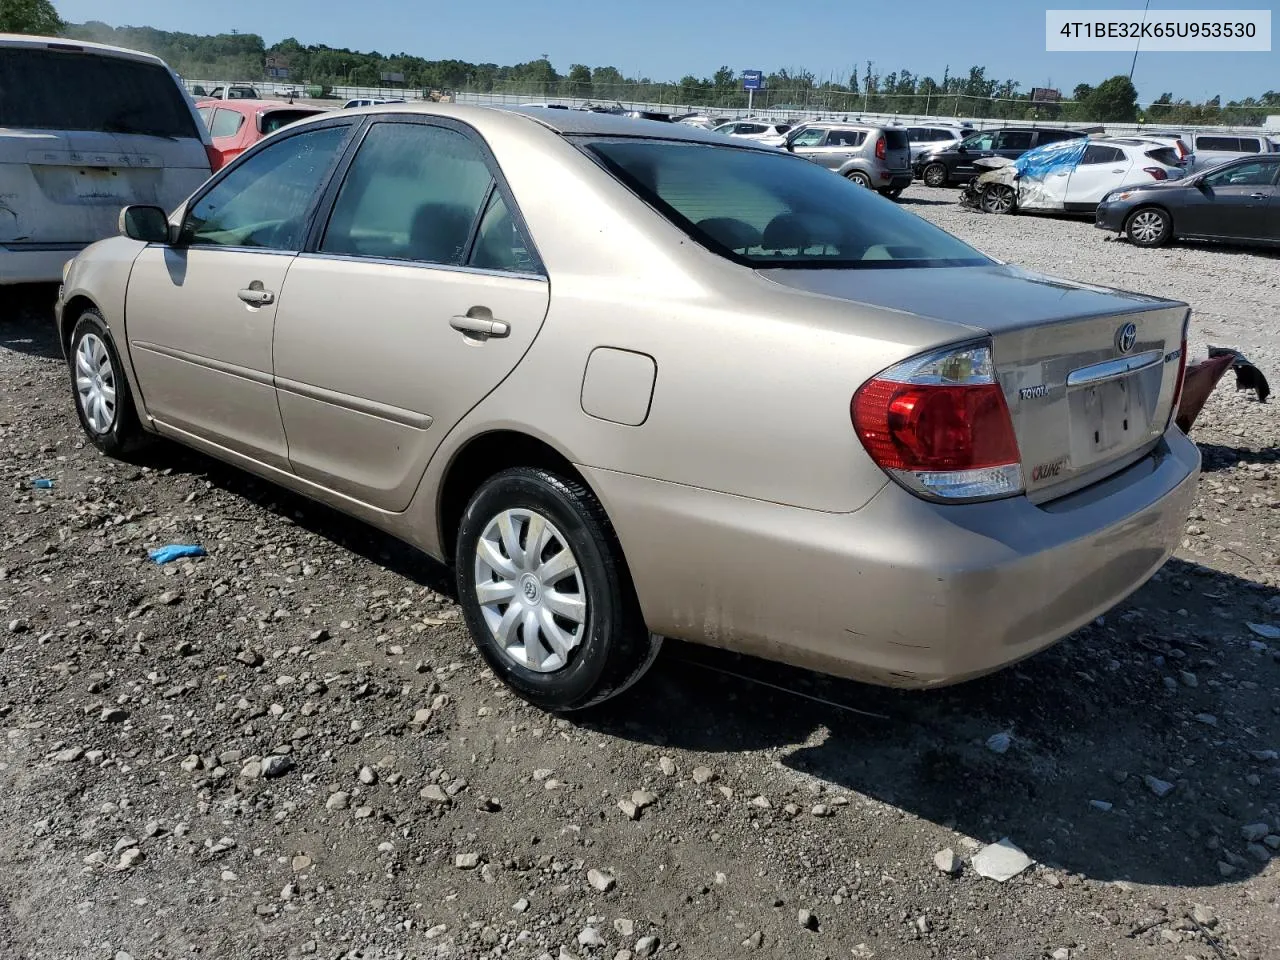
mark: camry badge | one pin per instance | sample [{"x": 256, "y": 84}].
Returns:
[{"x": 1126, "y": 337}]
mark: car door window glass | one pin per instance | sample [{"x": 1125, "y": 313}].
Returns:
[
  {"x": 500, "y": 245},
  {"x": 1096, "y": 153},
  {"x": 412, "y": 193},
  {"x": 1225, "y": 144},
  {"x": 1015, "y": 140},
  {"x": 206, "y": 116},
  {"x": 984, "y": 141},
  {"x": 1250, "y": 145},
  {"x": 226, "y": 123},
  {"x": 1256, "y": 174},
  {"x": 845, "y": 138},
  {"x": 264, "y": 201},
  {"x": 809, "y": 138}
]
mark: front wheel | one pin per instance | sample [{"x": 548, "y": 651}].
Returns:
[
  {"x": 546, "y": 593},
  {"x": 1148, "y": 227},
  {"x": 935, "y": 175},
  {"x": 860, "y": 178},
  {"x": 103, "y": 401},
  {"x": 997, "y": 198}
]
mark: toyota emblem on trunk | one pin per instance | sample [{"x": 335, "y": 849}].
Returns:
[{"x": 1126, "y": 337}]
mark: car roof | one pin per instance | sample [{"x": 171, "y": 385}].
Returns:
[
  {"x": 246, "y": 105},
  {"x": 60, "y": 45}
]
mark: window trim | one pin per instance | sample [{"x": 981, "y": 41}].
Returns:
[
  {"x": 329, "y": 198},
  {"x": 212, "y": 183}
]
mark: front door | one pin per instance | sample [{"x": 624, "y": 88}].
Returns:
[
  {"x": 1101, "y": 168},
  {"x": 423, "y": 294},
  {"x": 1230, "y": 203},
  {"x": 200, "y": 314},
  {"x": 1014, "y": 143},
  {"x": 979, "y": 145}
]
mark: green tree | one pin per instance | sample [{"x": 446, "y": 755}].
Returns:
[
  {"x": 30, "y": 16},
  {"x": 580, "y": 79},
  {"x": 1114, "y": 100}
]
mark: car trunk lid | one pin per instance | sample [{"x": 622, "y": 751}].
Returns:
[
  {"x": 897, "y": 152},
  {"x": 1089, "y": 374}
]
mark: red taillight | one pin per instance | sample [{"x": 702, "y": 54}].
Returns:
[
  {"x": 881, "y": 149},
  {"x": 1182, "y": 149},
  {"x": 1157, "y": 173},
  {"x": 940, "y": 425},
  {"x": 215, "y": 158}
]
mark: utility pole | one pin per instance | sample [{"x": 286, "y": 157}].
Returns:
[
  {"x": 866, "y": 85},
  {"x": 1133, "y": 65}
]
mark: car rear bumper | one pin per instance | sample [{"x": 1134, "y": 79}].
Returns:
[
  {"x": 903, "y": 592},
  {"x": 37, "y": 264},
  {"x": 893, "y": 179}
]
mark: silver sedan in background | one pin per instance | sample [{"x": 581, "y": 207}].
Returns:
[{"x": 637, "y": 381}]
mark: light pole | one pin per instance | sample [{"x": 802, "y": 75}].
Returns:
[{"x": 1133, "y": 65}]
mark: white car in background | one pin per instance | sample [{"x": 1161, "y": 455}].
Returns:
[
  {"x": 1070, "y": 176},
  {"x": 925, "y": 138},
  {"x": 86, "y": 129},
  {"x": 762, "y": 131}
]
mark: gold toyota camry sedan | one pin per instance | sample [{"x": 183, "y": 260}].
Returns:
[{"x": 633, "y": 380}]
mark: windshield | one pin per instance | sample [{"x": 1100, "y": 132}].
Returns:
[
  {"x": 54, "y": 90},
  {"x": 772, "y": 209},
  {"x": 273, "y": 120}
]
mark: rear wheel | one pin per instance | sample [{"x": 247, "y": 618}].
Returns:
[
  {"x": 103, "y": 401},
  {"x": 860, "y": 178},
  {"x": 997, "y": 198},
  {"x": 935, "y": 175},
  {"x": 546, "y": 593},
  {"x": 1148, "y": 227}
]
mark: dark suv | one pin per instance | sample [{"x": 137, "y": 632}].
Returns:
[{"x": 954, "y": 164}]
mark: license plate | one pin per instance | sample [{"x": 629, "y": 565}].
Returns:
[
  {"x": 1108, "y": 417},
  {"x": 94, "y": 184}
]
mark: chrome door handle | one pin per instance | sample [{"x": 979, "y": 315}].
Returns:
[
  {"x": 479, "y": 327},
  {"x": 256, "y": 296},
  {"x": 1257, "y": 196}
]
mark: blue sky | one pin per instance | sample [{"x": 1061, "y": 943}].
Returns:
[{"x": 665, "y": 39}]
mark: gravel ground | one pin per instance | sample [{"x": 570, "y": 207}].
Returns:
[{"x": 288, "y": 748}]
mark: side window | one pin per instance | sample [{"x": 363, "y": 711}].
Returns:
[
  {"x": 1250, "y": 145},
  {"x": 918, "y": 135},
  {"x": 499, "y": 243},
  {"x": 206, "y": 116},
  {"x": 1015, "y": 140},
  {"x": 1225, "y": 144},
  {"x": 1254, "y": 174},
  {"x": 264, "y": 201},
  {"x": 413, "y": 193},
  {"x": 1096, "y": 153},
  {"x": 809, "y": 137},
  {"x": 984, "y": 141},
  {"x": 846, "y": 138},
  {"x": 226, "y": 123}
]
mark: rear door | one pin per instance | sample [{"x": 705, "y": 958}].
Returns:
[
  {"x": 200, "y": 315},
  {"x": 897, "y": 153},
  {"x": 1102, "y": 168},
  {"x": 421, "y": 295},
  {"x": 82, "y": 134},
  {"x": 1014, "y": 143},
  {"x": 1230, "y": 203}
]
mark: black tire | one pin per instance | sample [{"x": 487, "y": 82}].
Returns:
[
  {"x": 1149, "y": 227},
  {"x": 615, "y": 648},
  {"x": 860, "y": 178},
  {"x": 998, "y": 198},
  {"x": 935, "y": 175},
  {"x": 121, "y": 432}
]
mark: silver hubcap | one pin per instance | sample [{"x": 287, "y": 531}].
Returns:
[
  {"x": 95, "y": 383},
  {"x": 999, "y": 199},
  {"x": 530, "y": 590},
  {"x": 1147, "y": 226},
  {"x": 860, "y": 180}
]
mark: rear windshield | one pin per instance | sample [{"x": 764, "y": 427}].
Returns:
[
  {"x": 53, "y": 90},
  {"x": 1166, "y": 155},
  {"x": 772, "y": 209},
  {"x": 275, "y": 119},
  {"x": 896, "y": 139}
]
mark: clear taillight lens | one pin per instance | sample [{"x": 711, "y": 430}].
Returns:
[{"x": 939, "y": 425}]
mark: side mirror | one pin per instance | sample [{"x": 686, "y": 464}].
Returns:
[
  {"x": 148, "y": 224},
  {"x": 791, "y": 147},
  {"x": 961, "y": 148}
]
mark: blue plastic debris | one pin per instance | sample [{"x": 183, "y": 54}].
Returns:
[
  {"x": 40, "y": 483},
  {"x": 176, "y": 551}
]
